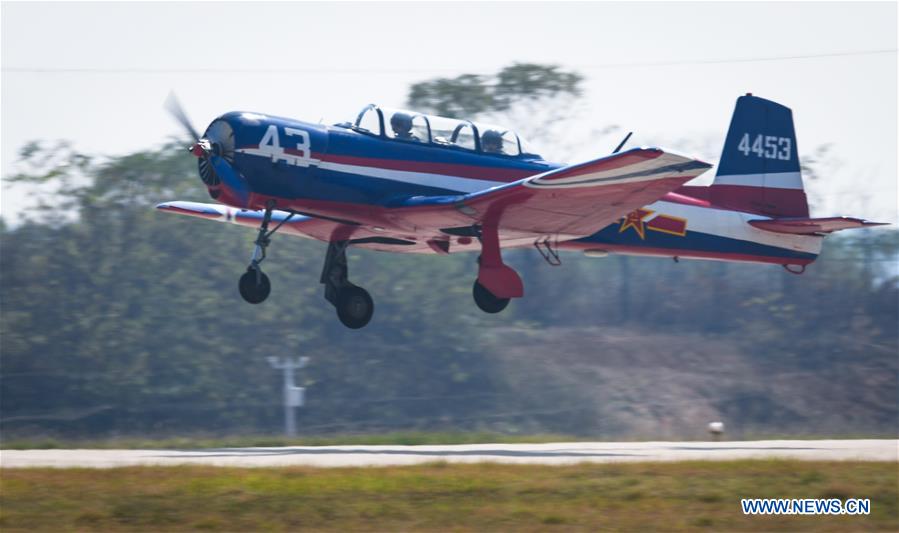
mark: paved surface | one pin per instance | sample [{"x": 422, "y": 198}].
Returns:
[{"x": 550, "y": 454}]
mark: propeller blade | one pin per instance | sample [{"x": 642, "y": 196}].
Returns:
[
  {"x": 173, "y": 106},
  {"x": 231, "y": 179}
]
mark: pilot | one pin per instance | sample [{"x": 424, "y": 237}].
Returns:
[
  {"x": 492, "y": 142},
  {"x": 402, "y": 126}
]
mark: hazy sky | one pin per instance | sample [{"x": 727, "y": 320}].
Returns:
[{"x": 326, "y": 61}]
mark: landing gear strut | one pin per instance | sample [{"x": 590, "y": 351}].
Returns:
[
  {"x": 254, "y": 285},
  {"x": 497, "y": 283},
  {"x": 353, "y": 303}
]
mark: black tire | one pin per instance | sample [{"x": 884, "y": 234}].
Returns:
[
  {"x": 486, "y": 301},
  {"x": 355, "y": 307},
  {"x": 252, "y": 290}
]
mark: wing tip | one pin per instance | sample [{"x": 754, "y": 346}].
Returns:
[
  {"x": 192, "y": 209},
  {"x": 694, "y": 162}
]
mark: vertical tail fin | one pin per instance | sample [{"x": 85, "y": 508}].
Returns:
[{"x": 759, "y": 169}]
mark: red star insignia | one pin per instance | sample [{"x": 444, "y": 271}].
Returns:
[{"x": 634, "y": 219}]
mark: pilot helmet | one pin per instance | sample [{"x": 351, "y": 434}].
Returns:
[
  {"x": 492, "y": 141},
  {"x": 401, "y": 123}
]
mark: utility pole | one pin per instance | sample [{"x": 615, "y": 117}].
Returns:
[{"x": 293, "y": 396}]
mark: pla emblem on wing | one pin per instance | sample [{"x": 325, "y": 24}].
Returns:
[{"x": 636, "y": 219}]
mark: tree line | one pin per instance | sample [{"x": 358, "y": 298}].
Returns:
[{"x": 117, "y": 319}]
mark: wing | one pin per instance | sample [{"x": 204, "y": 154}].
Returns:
[
  {"x": 300, "y": 226},
  {"x": 569, "y": 202}
]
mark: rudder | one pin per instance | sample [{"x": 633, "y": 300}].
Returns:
[{"x": 759, "y": 170}]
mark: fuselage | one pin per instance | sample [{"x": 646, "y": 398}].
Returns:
[{"x": 342, "y": 174}]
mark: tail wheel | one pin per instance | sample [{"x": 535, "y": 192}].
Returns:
[
  {"x": 354, "y": 307},
  {"x": 486, "y": 301},
  {"x": 254, "y": 286}
]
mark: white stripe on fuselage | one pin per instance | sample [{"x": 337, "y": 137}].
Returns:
[
  {"x": 442, "y": 181},
  {"x": 424, "y": 179},
  {"x": 734, "y": 225}
]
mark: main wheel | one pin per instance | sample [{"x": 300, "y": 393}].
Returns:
[
  {"x": 354, "y": 307},
  {"x": 486, "y": 301},
  {"x": 254, "y": 290}
]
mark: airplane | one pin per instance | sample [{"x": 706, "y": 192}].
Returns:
[{"x": 400, "y": 181}]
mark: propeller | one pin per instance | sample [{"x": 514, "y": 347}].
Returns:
[
  {"x": 173, "y": 106},
  {"x": 209, "y": 153}
]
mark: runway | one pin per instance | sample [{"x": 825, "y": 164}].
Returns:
[{"x": 389, "y": 455}]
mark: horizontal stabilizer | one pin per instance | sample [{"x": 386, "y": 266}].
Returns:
[{"x": 811, "y": 226}]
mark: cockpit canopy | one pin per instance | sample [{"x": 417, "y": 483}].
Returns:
[{"x": 413, "y": 127}]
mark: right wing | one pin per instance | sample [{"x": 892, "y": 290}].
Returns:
[{"x": 570, "y": 202}]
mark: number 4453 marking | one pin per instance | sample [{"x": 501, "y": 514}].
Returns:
[{"x": 768, "y": 146}]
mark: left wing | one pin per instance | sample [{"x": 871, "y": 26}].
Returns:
[
  {"x": 298, "y": 225},
  {"x": 569, "y": 202}
]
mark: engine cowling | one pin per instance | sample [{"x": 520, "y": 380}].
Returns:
[{"x": 220, "y": 138}]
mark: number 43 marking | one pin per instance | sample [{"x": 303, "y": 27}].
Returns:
[
  {"x": 300, "y": 156},
  {"x": 768, "y": 146}
]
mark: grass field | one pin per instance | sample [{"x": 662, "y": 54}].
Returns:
[{"x": 440, "y": 496}]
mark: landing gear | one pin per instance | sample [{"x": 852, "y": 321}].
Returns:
[
  {"x": 254, "y": 285},
  {"x": 354, "y": 307},
  {"x": 486, "y": 301},
  {"x": 353, "y": 303},
  {"x": 497, "y": 283}
]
